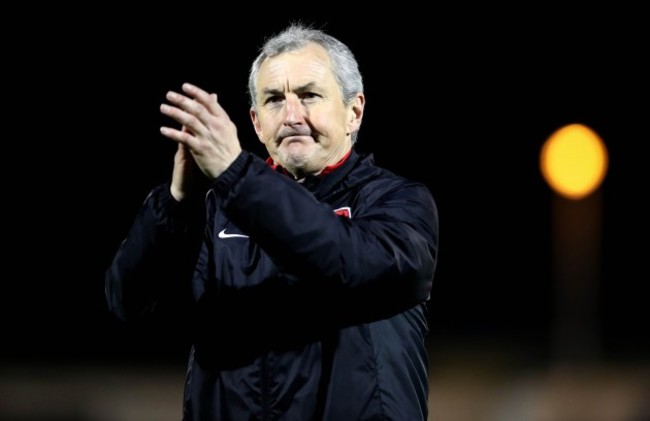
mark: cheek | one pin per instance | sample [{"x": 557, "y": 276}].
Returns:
[
  {"x": 268, "y": 127},
  {"x": 328, "y": 122}
]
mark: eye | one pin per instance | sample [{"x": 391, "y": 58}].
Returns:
[
  {"x": 273, "y": 99},
  {"x": 309, "y": 95}
]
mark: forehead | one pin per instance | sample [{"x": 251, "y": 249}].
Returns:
[{"x": 308, "y": 64}]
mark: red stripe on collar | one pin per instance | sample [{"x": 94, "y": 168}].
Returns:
[{"x": 325, "y": 171}]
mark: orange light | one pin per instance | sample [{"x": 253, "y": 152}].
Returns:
[{"x": 574, "y": 161}]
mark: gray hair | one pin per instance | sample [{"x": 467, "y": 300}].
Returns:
[{"x": 295, "y": 36}]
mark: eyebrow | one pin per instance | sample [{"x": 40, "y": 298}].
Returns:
[{"x": 300, "y": 89}]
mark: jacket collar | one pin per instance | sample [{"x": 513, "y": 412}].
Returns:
[
  {"x": 325, "y": 171},
  {"x": 329, "y": 180}
]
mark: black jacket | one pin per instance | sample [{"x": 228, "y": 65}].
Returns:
[{"x": 308, "y": 299}]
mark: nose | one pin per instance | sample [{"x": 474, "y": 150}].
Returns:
[{"x": 294, "y": 111}]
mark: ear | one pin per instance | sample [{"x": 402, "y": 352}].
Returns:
[
  {"x": 356, "y": 112},
  {"x": 256, "y": 124}
]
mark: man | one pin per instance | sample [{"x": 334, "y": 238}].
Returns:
[{"x": 308, "y": 273}]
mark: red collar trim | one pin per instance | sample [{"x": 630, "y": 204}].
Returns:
[{"x": 325, "y": 171}]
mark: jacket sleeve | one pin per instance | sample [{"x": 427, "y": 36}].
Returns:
[
  {"x": 155, "y": 260},
  {"x": 388, "y": 248}
]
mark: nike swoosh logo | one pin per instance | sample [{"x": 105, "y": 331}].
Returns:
[{"x": 222, "y": 234}]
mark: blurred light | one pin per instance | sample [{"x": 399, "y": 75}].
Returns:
[{"x": 574, "y": 161}]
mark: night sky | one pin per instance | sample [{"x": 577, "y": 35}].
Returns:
[{"x": 460, "y": 102}]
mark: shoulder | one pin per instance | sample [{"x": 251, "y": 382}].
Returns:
[
  {"x": 375, "y": 177},
  {"x": 380, "y": 188}
]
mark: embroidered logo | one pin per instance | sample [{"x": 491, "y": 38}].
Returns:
[
  {"x": 344, "y": 211},
  {"x": 223, "y": 234}
]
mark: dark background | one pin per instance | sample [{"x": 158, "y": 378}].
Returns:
[{"x": 461, "y": 100}]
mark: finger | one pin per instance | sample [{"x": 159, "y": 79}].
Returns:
[
  {"x": 209, "y": 101},
  {"x": 190, "y": 122},
  {"x": 174, "y": 113},
  {"x": 182, "y": 137},
  {"x": 190, "y": 112},
  {"x": 181, "y": 101}
]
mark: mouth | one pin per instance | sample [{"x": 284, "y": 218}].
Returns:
[{"x": 296, "y": 138}]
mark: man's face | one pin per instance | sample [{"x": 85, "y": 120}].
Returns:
[{"x": 300, "y": 115}]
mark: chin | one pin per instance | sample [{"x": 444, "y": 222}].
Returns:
[{"x": 296, "y": 156}]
